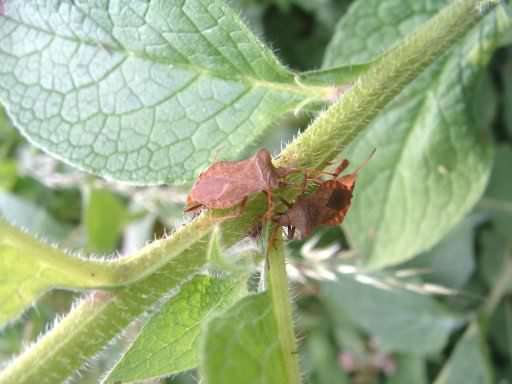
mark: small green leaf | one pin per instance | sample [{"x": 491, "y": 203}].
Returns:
[
  {"x": 105, "y": 216},
  {"x": 400, "y": 321},
  {"x": 433, "y": 159},
  {"x": 469, "y": 362},
  {"x": 167, "y": 343},
  {"x": 241, "y": 345},
  {"x": 215, "y": 254},
  {"x": 142, "y": 91}
]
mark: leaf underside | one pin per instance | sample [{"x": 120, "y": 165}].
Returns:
[
  {"x": 241, "y": 345},
  {"x": 432, "y": 157},
  {"x": 168, "y": 342},
  {"x": 141, "y": 91}
]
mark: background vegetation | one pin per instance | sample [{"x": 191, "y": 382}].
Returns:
[{"x": 413, "y": 289}]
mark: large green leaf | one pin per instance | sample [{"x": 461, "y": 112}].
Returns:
[
  {"x": 469, "y": 362},
  {"x": 400, "y": 321},
  {"x": 143, "y": 91},
  {"x": 433, "y": 158},
  {"x": 168, "y": 342},
  {"x": 241, "y": 345},
  {"x": 371, "y": 26},
  {"x": 451, "y": 262}
]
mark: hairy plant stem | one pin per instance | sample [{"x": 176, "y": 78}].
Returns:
[
  {"x": 104, "y": 314},
  {"x": 282, "y": 308},
  {"x": 88, "y": 328},
  {"x": 96, "y": 273},
  {"x": 337, "y": 126}
]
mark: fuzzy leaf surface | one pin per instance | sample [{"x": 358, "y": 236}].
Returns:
[
  {"x": 141, "y": 91},
  {"x": 241, "y": 345},
  {"x": 433, "y": 158},
  {"x": 168, "y": 342}
]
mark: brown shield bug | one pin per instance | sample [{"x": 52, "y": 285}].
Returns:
[
  {"x": 328, "y": 205},
  {"x": 228, "y": 183}
]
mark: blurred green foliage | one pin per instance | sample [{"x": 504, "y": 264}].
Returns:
[{"x": 364, "y": 327}]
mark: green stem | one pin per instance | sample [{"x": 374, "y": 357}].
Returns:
[
  {"x": 95, "y": 273},
  {"x": 83, "y": 273},
  {"x": 336, "y": 127},
  {"x": 92, "y": 324},
  {"x": 95, "y": 321},
  {"x": 282, "y": 308}
]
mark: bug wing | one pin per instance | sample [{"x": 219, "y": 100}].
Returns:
[{"x": 217, "y": 192}]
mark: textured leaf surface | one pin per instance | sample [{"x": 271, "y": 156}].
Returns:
[
  {"x": 168, "y": 342},
  {"x": 143, "y": 91},
  {"x": 469, "y": 362},
  {"x": 400, "y": 321},
  {"x": 240, "y": 346},
  {"x": 432, "y": 160},
  {"x": 372, "y": 26}
]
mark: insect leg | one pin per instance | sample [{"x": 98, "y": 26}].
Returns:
[
  {"x": 193, "y": 207},
  {"x": 291, "y": 232},
  {"x": 340, "y": 168},
  {"x": 268, "y": 213}
]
